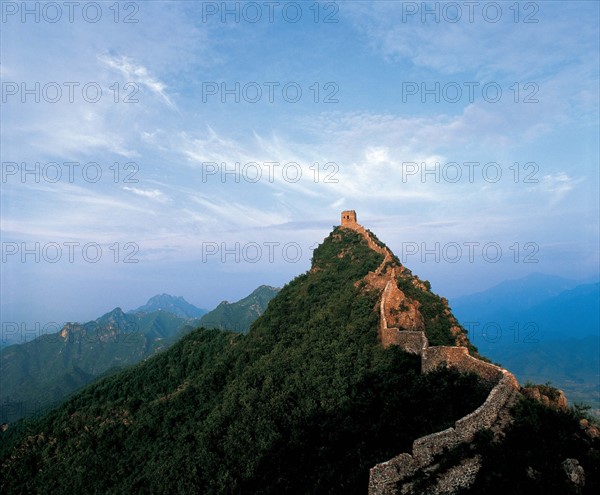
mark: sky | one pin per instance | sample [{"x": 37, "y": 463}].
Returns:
[{"x": 202, "y": 149}]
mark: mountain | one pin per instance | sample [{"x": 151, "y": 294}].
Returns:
[
  {"x": 43, "y": 372},
  {"x": 39, "y": 373},
  {"x": 352, "y": 364},
  {"x": 540, "y": 326},
  {"x": 514, "y": 294},
  {"x": 571, "y": 364},
  {"x": 240, "y": 315},
  {"x": 553, "y": 312},
  {"x": 172, "y": 304}
]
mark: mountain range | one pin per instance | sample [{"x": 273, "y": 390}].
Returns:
[
  {"x": 41, "y": 373},
  {"x": 543, "y": 328},
  {"x": 356, "y": 378}
]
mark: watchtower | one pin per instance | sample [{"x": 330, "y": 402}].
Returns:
[{"x": 349, "y": 218}]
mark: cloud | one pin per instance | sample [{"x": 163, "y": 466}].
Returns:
[
  {"x": 134, "y": 72},
  {"x": 154, "y": 194},
  {"x": 487, "y": 49},
  {"x": 557, "y": 186}
]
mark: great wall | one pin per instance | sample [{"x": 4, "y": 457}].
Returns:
[{"x": 402, "y": 324}]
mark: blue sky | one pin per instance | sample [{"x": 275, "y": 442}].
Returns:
[{"x": 360, "y": 135}]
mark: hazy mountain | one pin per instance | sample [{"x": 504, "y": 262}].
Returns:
[
  {"x": 513, "y": 294},
  {"x": 549, "y": 314},
  {"x": 172, "y": 304},
  {"x": 573, "y": 365},
  {"x": 240, "y": 315},
  {"x": 308, "y": 401},
  {"x": 42, "y": 372},
  {"x": 540, "y": 326}
]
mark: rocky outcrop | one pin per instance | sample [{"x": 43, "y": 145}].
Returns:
[
  {"x": 589, "y": 429},
  {"x": 575, "y": 473},
  {"x": 549, "y": 396}
]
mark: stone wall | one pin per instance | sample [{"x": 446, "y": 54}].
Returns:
[
  {"x": 413, "y": 342},
  {"x": 384, "y": 477},
  {"x": 460, "y": 359},
  {"x": 458, "y": 477}
]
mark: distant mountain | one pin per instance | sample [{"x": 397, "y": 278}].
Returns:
[
  {"x": 37, "y": 374},
  {"x": 569, "y": 313},
  {"x": 172, "y": 304},
  {"x": 238, "y": 316},
  {"x": 539, "y": 326},
  {"x": 573, "y": 365},
  {"x": 41, "y": 372},
  {"x": 513, "y": 294}
]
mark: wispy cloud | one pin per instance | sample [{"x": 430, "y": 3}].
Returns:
[
  {"x": 558, "y": 186},
  {"x": 134, "y": 72},
  {"x": 154, "y": 194}
]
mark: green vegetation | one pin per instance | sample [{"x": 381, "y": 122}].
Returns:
[
  {"x": 240, "y": 315},
  {"x": 437, "y": 322},
  {"x": 529, "y": 460},
  {"x": 307, "y": 402},
  {"x": 40, "y": 374}
]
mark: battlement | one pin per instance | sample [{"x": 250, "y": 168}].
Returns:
[{"x": 349, "y": 218}]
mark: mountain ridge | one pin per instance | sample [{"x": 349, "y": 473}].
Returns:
[
  {"x": 42, "y": 372},
  {"x": 239, "y": 315},
  {"x": 310, "y": 401}
]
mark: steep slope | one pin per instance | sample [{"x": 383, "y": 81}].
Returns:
[
  {"x": 238, "y": 316},
  {"x": 307, "y": 402}
]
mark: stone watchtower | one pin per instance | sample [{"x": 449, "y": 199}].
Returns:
[{"x": 349, "y": 218}]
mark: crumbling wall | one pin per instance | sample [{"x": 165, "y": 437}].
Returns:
[
  {"x": 385, "y": 476},
  {"x": 413, "y": 342}
]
